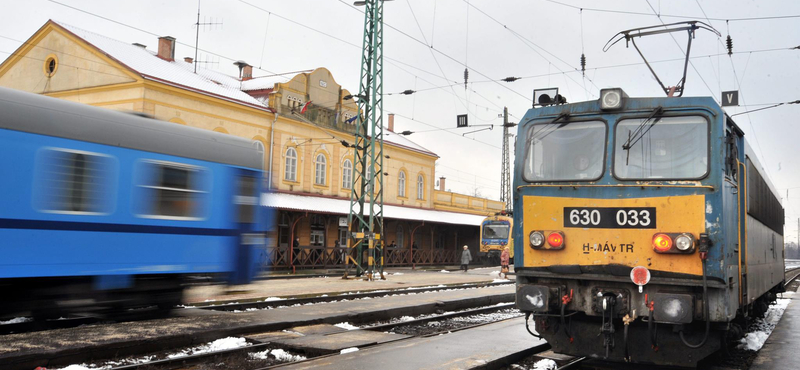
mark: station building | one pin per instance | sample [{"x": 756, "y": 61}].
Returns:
[{"x": 299, "y": 122}]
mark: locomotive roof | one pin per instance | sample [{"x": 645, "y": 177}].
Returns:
[{"x": 43, "y": 115}]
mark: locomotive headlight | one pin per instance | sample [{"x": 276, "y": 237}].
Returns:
[
  {"x": 684, "y": 242},
  {"x": 611, "y": 98},
  {"x": 537, "y": 239}
]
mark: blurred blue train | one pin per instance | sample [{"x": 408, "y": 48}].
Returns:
[{"x": 112, "y": 210}]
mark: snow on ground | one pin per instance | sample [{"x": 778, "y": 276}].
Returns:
[
  {"x": 495, "y": 274},
  {"x": 445, "y": 271},
  {"x": 348, "y": 350},
  {"x": 545, "y": 364},
  {"x": 346, "y": 325},
  {"x": 754, "y": 340},
  {"x": 16, "y": 320},
  {"x": 495, "y": 281},
  {"x": 280, "y": 354},
  {"x": 83, "y": 367},
  {"x": 397, "y": 273},
  {"x": 217, "y": 345},
  {"x": 271, "y": 299}
]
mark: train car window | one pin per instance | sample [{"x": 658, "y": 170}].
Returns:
[
  {"x": 75, "y": 182},
  {"x": 175, "y": 190},
  {"x": 247, "y": 199},
  {"x": 673, "y": 148},
  {"x": 565, "y": 152}
]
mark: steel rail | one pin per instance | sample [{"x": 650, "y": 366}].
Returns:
[{"x": 338, "y": 297}]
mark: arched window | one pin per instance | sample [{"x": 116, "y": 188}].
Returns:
[
  {"x": 420, "y": 187},
  {"x": 347, "y": 174},
  {"x": 401, "y": 185},
  {"x": 291, "y": 165},
  {"x": 321, "y": 167}
]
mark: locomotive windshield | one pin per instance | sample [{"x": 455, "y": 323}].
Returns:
[
  {"x": 496, "y": 230},
  {"x": 565, "y": 151},
  {"x": 671, "y": 148}
]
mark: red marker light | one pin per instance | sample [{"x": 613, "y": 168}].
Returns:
[
  {"x": 662, "y": 242},
  {"x": 640, "y": 276},
  {"x": 555, "y": 239}
]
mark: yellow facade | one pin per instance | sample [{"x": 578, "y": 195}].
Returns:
[{"x": 87, "y": 75}]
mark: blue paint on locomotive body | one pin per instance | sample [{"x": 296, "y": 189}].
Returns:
[{"x": 721, "y": 215}]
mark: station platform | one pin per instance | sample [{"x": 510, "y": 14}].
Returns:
[
  {"x": 781, "y": 348},
  {"x": 317, "y": 285},
  {"x": 505, "y": 341}
]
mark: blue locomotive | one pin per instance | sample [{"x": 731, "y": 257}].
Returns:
[
  {"x": 113, "y": 210},
  {"x": 647, "y": 229}
]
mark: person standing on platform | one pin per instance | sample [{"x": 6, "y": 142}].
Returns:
[
  {"x": 466, "y": 258},
  {"x": 504, "y": 257}
]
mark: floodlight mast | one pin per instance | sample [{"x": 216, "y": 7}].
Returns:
[{"x": 365, "y": 220}]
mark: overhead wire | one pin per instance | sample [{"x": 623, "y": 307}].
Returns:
[
  {"x": 672, "y": 15},
  {"x": 440, "y": 52},
  {"x": 528, "y": 43}
]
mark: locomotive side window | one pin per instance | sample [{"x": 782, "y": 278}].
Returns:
[
  {"x": 74, "y": 182},
  {"x": 670, "y": 148},
  {"x": 571, "y": 151},
  {"x": 174, "y": 190}
]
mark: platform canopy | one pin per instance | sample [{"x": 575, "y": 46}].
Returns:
[{"x": 341, "y": 207}]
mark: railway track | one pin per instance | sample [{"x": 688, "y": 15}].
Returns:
[
  {"x": 273, "y": 302},
  {"x": 240, "y": 355},
  {"x": 234, "y": 306}
]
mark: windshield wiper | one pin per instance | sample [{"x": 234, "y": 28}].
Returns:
[
  {"x": 638, "y": 134},
  {"x": 547, "y": 128}
]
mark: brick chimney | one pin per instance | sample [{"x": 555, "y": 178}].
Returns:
[
  {"x": 189, "y": 60},
  {"x": 441, "y": 184},
  {"x": 391, "y": 122},
  {"x": 247, "y": 73},
  {"x": 166, "y": 48}
]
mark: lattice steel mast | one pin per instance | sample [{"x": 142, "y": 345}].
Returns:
[
  {"x": 365, "y": 221},
  {"x": 505, "y": 176}
]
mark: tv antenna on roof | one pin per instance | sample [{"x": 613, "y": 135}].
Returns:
[{"x": 197, "y": 25}]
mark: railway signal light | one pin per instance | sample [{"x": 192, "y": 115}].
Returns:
[{"x": 612, "y": 98}]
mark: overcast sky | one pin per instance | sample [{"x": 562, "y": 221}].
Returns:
[{"x": 538, "y": 40}]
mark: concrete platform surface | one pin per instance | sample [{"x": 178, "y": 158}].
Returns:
[
  {"x": 781, "y": 349},
  {"x": 395, "y": 278},
  {"x": 323, "y": 344},
  {"x": 62, "y": 346},
  {"x": 464, "y": 349}
]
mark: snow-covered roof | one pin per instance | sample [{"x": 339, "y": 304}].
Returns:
[
  {"x": 402, "y": 141},
  {"x": 176, "y": 73},
  {"x": 261, "y": 83},
  {"x": 342, "y": 207},
  {"x": 181, "y": 74}
]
